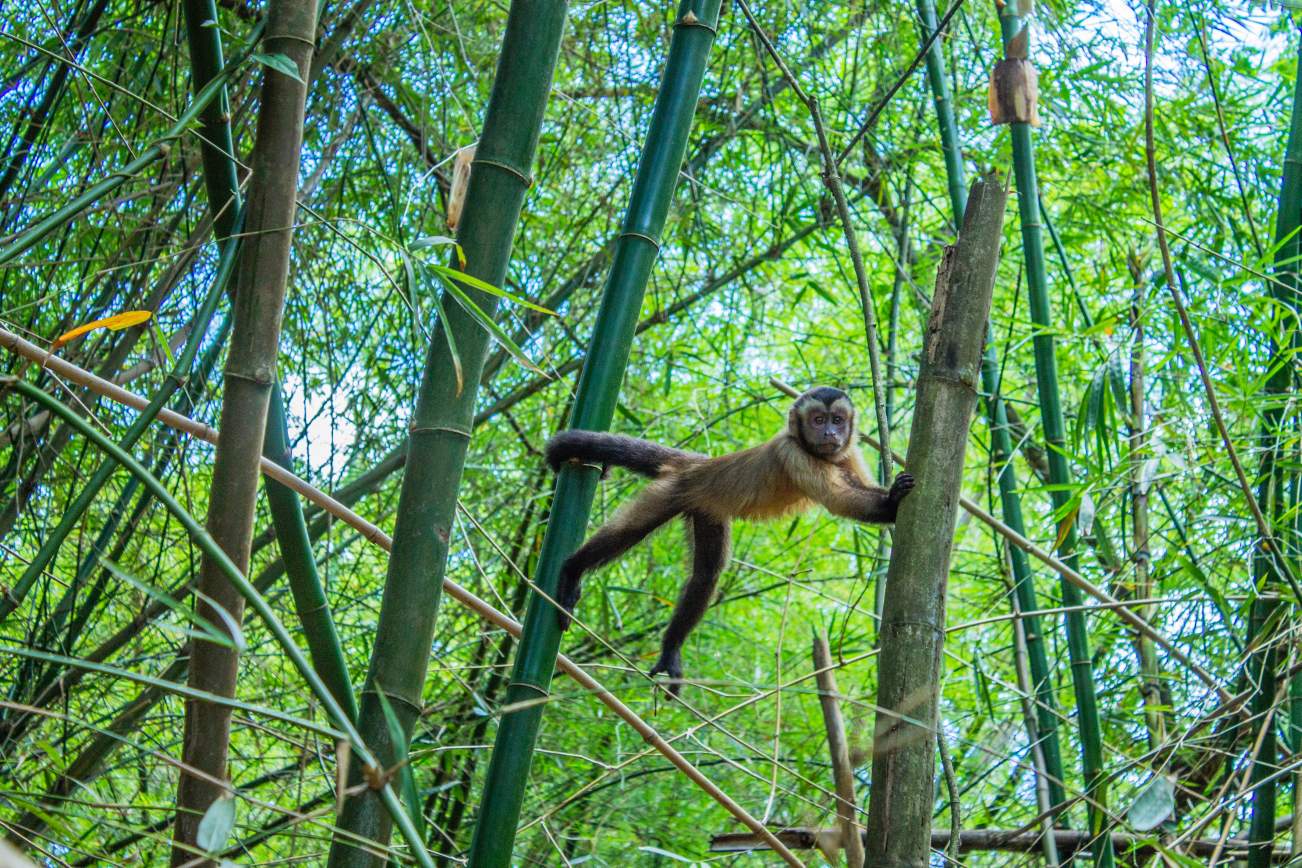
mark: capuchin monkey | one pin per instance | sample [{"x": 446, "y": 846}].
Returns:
[{"x": 813, "y": 460}]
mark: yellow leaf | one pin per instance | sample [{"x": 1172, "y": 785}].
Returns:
[
  {"x": 115, "y": 323},
  {"x": 1065, "y": 527}
]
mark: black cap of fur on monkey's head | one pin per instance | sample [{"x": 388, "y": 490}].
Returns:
[{"x": 822, "y": 421}]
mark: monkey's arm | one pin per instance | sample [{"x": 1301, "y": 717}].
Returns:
[{"x": 851, "y": 498}]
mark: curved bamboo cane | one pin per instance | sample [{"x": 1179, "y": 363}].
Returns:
[{"x": 373, "y": 534}]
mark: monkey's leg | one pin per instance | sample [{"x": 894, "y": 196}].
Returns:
[
  {"x": 711, "y": 540},
  {"x": 629, "y": 527}
]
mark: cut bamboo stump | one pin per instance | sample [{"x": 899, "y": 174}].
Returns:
[{"x": 913, "y": 618}]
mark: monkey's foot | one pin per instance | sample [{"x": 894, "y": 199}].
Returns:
[
  {"x": 671, "y": 664},
  {"x": 903, "y": 485}
]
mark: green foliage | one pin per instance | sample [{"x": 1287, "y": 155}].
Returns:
[{"x": 409, "y": 88}]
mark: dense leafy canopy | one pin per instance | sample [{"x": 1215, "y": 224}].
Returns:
[{"x": 752, "y": 283}]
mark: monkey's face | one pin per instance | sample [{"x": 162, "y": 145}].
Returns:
[{"x": 822, "y": 420}]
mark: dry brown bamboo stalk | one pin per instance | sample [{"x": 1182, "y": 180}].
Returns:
[{"x": 838, "y": 746}]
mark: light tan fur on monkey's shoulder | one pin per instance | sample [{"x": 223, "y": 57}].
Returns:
[{"x": 768, "y": 481}]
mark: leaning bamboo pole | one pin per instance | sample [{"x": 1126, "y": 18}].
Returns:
[
  {"x": 262, "y": 273},
  {"x": 913, "y": 619},
  {"x": 370, "y": 532},
  {"x": 1013, "y": 85},
  {"x": 443, "y": 418},
  {"x": 594, "y": 407}
]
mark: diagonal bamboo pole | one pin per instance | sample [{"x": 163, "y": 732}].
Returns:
[
  {"x": 373, "y": 534},
  {"x": 370, "y": 532}
]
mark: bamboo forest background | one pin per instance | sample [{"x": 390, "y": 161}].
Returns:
[{"x": 753, "y": 282}]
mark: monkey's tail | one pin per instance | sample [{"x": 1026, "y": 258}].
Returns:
[{"x": 640, "y": 456}]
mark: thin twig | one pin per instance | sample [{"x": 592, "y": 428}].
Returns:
[
  {"x": 951, "y": 786},
  {"x": 832, "y": 179},
  {"x": 871, "y": 120}
]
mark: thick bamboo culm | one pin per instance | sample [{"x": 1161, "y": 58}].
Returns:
[
  {"x": 595, "y": 398},
  {"x": 911, "y": 635},
  {"x": 374, "y": 535}
]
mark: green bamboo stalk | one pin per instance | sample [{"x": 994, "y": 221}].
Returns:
[
  {"x": 949, "y": 144},
  {"x": 1150, "y": 682},
  {"x": 1010, "y": 500},
  {"x": 216, "y": 146},
  {"x": 1046, "y": 377},
  {"x": 262, "y": 273},
  {"x": 213, "y": 553},
  {"x": 594, "y": 407},
  {"x": 221, "y": 179},
  {"x": 295, "y": 543},
  {"x": 443, "y": 418},
  {"x": 1001, "y": 446},
  {"x": 913, "y": 620},
  {"x": 1273, "y": 483}
]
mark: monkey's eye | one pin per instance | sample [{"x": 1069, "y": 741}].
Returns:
[
  {"x": 837, "y": 420},
  {"x": 820, "y": 419}
]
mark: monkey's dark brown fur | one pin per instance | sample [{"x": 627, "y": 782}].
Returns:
[{"x": 813, "y": 460}]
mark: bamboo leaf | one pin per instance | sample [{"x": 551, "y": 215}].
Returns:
[
  {"x": 1173, "y": 857},
  {"x": 162, "y": 342},
  {"x": 474, "y": 282},
  {"x": 216, "y": 825},
  {"x": 451, "y": 339},
  {"x": 1154, "y": 804},
  {"x": 667, "y": 854},
  {"x": 280, "y": 63},
  {"x": 207, "y": 631},
  {"x": 116, "y": 322},
  {"x": 1085, "y": 513},
  {"x": 1065, "y": 526},
  {"x": 406, "y": 781},
  {"x": 441, "y": 241},
  {"x": 489, "y": 324}
]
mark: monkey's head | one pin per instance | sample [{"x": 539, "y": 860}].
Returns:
[{"x": 822, "y": 422}]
